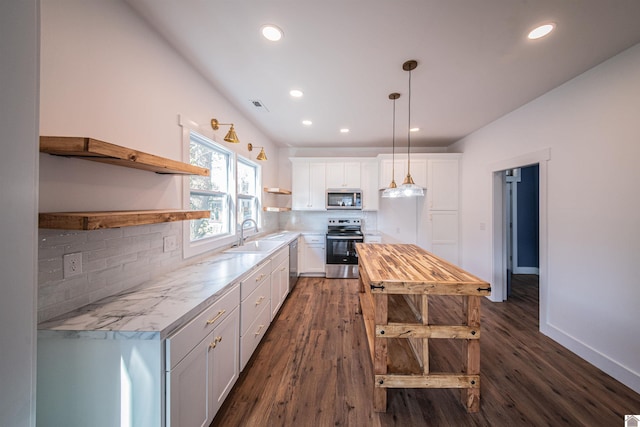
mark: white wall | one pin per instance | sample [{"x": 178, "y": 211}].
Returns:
[
  {"x": 590, "y": 124},
  {"x": 19, "y": 50},
  {"x": 106, "y": 74}
]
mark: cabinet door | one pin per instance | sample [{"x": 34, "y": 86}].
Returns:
[
  {"x": 443, "y": 230},
  {"x": 418, "y": 172},
  {"x": 189, "y": 387},
  {"x": 343, "y": 174},
  {"x": 369, "y": 185},
  {"x": 279, "y": 286},
  {"x": 300, "y": 186},
  {"x": 389, "y": 172},
  {"x": 334, "y": 175},
  {"x": 317, "y": 189},
  {"x": 314, "y": 258},
  {"x": 224, "y": 360},
  {"x": 443, "y": 181}
]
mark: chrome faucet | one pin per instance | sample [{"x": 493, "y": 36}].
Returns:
[{"x": 241, "y": 240}]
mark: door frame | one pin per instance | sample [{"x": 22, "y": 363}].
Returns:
[{"x": 499, "y": 233}]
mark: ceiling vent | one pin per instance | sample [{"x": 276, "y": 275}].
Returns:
[{"x": 259, "y": 106}]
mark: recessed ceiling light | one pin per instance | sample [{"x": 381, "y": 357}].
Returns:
[
  {"x": 307, "y": 122},
  {"x": 541, "y": 31},
  {"x": 414, "y": 129},
  {"x": 296, "y": 93},
  {"x": 344, "y": 130},
  {"x": 271, "y": 32}
]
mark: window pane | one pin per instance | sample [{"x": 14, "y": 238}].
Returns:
[
  {"x": 205, "y": 156},
  {"x": 217, "y": 224},
  {"x": 247, "y": 179},
  {"x": 247, "y": 209}
]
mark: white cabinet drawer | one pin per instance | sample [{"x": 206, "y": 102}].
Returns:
[
  {"x": 187, "y": 337},
  {"x": 250, "y": 284},
  {"x": 278, "y": 257},
  {"x": 251, "y": 339},
  {"x": 254, "y": 303}
]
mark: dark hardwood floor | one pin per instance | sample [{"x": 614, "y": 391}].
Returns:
[{"x": 313, "y": 369}]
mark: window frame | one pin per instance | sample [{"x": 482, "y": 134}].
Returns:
[
  {"x": 257, "y": 198},
  {"x": 197, "y": 247}
]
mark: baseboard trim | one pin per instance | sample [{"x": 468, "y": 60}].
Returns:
[{"x": 601, "y": 361}]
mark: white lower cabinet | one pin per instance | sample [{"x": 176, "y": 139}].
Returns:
[
  {"x": 279, "y": 280},
  {"x": 313, "y": 258},
  {"x": 203, "y": 363},
  {"x": 255, "y": 310}
]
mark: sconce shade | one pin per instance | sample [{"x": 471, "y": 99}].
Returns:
[
  {"x": 261, "y": 155},
  {"x": 230, "y": 136}
]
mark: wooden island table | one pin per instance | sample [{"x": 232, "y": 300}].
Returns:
[{"x": 396, "y": 281}]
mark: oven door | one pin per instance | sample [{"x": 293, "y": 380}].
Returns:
[
  {"x": 342, "y": 258},
  {"x": 342, "y": 249}
]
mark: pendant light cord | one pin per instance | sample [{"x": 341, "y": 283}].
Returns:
[
  {"x": 393, "y": 139},
  {"x": 409, "y": 131}
]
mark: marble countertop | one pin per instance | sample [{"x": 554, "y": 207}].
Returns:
[{"x": 167, "y": 302}]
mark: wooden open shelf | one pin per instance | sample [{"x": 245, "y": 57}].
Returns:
[
  {"x": 277, "y": 190},
  {"x": 104, "y": 152},
  {"x": 114, "y": 219},
  {"x": 275, "y": 209}
]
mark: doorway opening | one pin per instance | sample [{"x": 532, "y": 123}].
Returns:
[{"x": 508, "y": 255}]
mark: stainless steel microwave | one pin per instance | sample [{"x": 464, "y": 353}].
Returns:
[{"x": 344, "y": 198}]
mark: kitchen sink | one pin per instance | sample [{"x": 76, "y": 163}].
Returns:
[{"x": 257, "y": 246}]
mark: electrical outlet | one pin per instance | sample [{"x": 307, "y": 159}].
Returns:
[
  {"x": 72, "y": 264},
  {"x": 170, "y": 243}
]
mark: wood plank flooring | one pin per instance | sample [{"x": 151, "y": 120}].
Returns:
[{"x": 313, "y": 369}]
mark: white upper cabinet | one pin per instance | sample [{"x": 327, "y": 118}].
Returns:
[
  {"x": 418, "y": 169},
  {"x": 369, "y": 184},
  {"x": 343, "y": 174},
  {"x": 307, "y": 185},
  {"x": 442, "y": 185}
]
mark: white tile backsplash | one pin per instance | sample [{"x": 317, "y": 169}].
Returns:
[{"x": 113, "y": 261}]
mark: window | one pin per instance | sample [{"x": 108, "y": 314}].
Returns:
[
  {"x": 213, "y": 192},
  {"x": 248, "y": 192}
]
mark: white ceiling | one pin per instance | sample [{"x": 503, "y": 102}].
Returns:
[{"x": 475, "y": 63}]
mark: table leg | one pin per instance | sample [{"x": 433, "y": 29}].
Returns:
[
  {"x": 471, "y": 353},
  {"x": 381, "y": 302}
]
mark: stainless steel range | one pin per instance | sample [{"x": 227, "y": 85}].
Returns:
[{"x": 342, "y": 259}]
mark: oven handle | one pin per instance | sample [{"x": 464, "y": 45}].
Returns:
[{"x": 345, "y": 238}]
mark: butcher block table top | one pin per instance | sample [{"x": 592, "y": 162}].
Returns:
[
  {"x": 397, "y": 282},
  {"x": 409, "y": 269}
]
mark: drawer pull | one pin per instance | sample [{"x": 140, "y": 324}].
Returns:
[
  {"x": 215, "y": 342},
  {"x": 260, "y": 300},
  {"x": 259, "y": 330},
  {"x": 260, "y": 277},
  {"x": 282, "y": 269},
  {"x": 220, "y": 313}
]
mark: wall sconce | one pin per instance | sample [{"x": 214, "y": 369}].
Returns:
[
  {"x": 261, "y": 154},
  {"x": 230, "y": 136}
]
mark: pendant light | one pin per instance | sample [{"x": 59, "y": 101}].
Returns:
[
  {"x": 408, "y": 187},
  {"x": 393, "y": 190}
]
